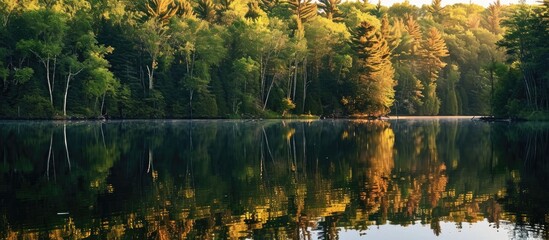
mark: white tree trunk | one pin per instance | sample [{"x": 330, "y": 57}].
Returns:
[
  {"x": 50, "y": 88},
  {"x": 69, "y": 77},
  {"x": 103, "y": 103},
  {"x": 269, "y": 93},
  {"x": 50, "y": 77},
  {"x": 305, "y": 84},
  {"x": 66, "y": 145},
  {"x": 295, "y": 80},
  {"x": 49, "y": 157},
  {"x": 150, "y": 73},
  {"x": 66, "y": 93}
]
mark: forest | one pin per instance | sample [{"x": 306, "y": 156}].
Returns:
[{"x": 270, "y": 59}]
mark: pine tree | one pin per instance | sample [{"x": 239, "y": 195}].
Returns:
[
  {"x": 206, "y": 10},
  {"x": 375, "y": 85},
  {"x": 330, "y": 9},
  {"x": 407, "y": 55},
  {"x": 162, "y": 10},
  {"x": 390, "y": 34},
  {"x": 385, "y": 26},
  {"x": 268, "y": 5},
  {"x": 364, "y": 41},
  {"x": 224, "y": 5},
  {"x": 447, "y": 90},
  {"x": 377, "y": 10},
  {"x": 415, "y": 46},
  {"x": 494, "y": 17},
  {"x": 185, "y": 8},
  {"x": 473, "y": 22},
  {"x": 253, "y": 10},
  {"x": 436, "y": 10},
  {"x": 434, "y": 49},
  {"x": 303, "y": 11}
]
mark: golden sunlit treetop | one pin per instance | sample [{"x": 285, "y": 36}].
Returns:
[{"x": 419, "y": 3}]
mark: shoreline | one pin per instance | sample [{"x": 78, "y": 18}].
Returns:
[{"x": 245, "y": 119}]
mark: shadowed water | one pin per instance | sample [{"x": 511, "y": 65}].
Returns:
[{"x": 407, "y": 179}]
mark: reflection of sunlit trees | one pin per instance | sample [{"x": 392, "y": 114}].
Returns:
[
  {"x": 436, "y": 184},
  {"x": 493, "y": 211},
  {"x": 70, "y": 185},
  {"x": 261, "y": 180},
  {"x": 375, "y": 141},
  {"x": 422, "y": 165},
  {"x": 429, "y": 153},
  {"x": 526, "y": 193},
  {"x": 414, "y": 197}
]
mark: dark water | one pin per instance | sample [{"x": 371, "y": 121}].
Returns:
[{"x": 411, "y": 179}]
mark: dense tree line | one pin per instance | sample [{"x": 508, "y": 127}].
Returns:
[
  {"x": 523, "y": 86},
  {"x": 250, "y": 58}
]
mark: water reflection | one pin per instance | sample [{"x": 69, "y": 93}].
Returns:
[{"x": 270, "y": 179}]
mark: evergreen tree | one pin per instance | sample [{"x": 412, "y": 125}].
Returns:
[
  {"x": 493, "y": 17},
  {"x": 374, "y": 87},
  {"x": 434, "y": 49},
  {"x": 330, "y": 9},
  {"x": 303, "y": 11},
  {"x": 253, "y": 10},
  {"x": 447, "y": 91},
  {"x": 268, "y": 5},
  {"x": 407, "y": 55},
  {"x": 224, "y": 5},
  {"x": 186, "y": 9},
  {"x": 414, "y": 31},
  {"x": 162, "y": 10},
  {"x": 206, "y": 10},
  {"x": 167, "y": 60},
  {"x": 436, "y": 10},
  {"x": 390, "y": 33},
  {"x": 377, "y": 11}
]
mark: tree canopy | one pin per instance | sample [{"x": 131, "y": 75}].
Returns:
[{"x": 267, "y": 58}]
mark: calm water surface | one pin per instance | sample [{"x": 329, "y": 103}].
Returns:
[{"x": 406, "y": 179}]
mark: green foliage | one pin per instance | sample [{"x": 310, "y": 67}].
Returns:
[
  {"x": 330, "y": 9},
  {"x": 409, "y": 90},
  {"x": 32, "y": 106},
  {"x": 206, "y": 10},
  {"x": 303, "y": 10},
  {"x": 374, "y": 87},
  {"x": 493, "y": 17},
  {"x": 243, "y": 87},
  {"x": 528, "y": 50},
  {"x": 402, "y": 10},
  {"x": 161, "y": 10},
  {"x": 433, "y": 50},
  {"x": 181, "y": 58},
  {"x": 447, "y": 91},
  {"x": 185, "y": 8},
  {"x": 23, "y": 75},
  {"x": 254, "y": 11},
  {"x": 354, "y": 17}
]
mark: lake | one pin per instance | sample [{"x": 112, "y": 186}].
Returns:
[{"x": 273, "y": 179}]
